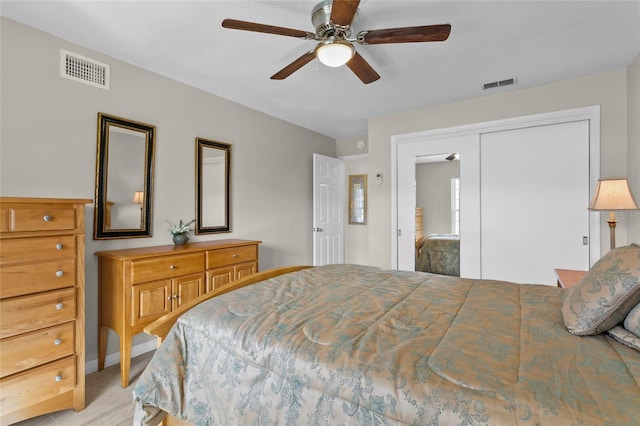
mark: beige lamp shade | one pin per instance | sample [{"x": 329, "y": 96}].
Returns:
[
  {"x": 138, "y": 197},
  {"x": 613, "y": 194}
]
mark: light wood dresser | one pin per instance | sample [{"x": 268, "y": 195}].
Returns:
[
  {"x": 42, "y": 332},
  {"x": 139, "y": 285}
]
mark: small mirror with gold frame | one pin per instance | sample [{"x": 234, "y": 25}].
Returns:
[{"x": 357, "y": 199}]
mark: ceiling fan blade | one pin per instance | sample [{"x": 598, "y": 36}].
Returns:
[
  {"x": 405, "y": 35},
  {"x": 343, "y": 11},
  {"x": 234, "y": 24},
  {"x": 362, "y": 69},
  {"x": 294, "y": 66}
]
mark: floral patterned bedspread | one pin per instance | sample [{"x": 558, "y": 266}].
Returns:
[
  {"x": 346, "y": 344},
  {"x": 440, "y": 254}
]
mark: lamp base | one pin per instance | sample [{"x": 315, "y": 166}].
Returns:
[{"x": 612, "y": 228}]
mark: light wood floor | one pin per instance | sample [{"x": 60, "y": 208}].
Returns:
[{"x": 107, "y": 404}]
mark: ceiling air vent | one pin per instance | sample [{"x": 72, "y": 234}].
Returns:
[
  {"x": 500, "y": 83},
  {"x": 85, "y": 70}
]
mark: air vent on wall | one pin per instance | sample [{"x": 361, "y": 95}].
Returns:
[
  {"x": 84, "y": 70},
  {"x": 500, "y": 83}
]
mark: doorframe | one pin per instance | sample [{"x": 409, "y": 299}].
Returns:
[{"x": 591, "y": 113}]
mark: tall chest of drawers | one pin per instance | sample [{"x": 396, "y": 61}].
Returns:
[
  {"x": 42, "y": 332},
  {"x": 139, "y": 285}
]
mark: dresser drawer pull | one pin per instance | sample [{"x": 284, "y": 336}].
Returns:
[
  {"x": 46, "y": 218},
  {"x": 235, "y": 256},
  {"x": 59, "y": 306},
  {"x": 59, "y": 273},
  {"x": 59, "y": 246},
  {"x": 57, "y": 342},
  {"x": 59, "y": 378},
  {"x": 172, "y": 267}
]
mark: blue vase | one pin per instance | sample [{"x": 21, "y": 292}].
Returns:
[{"x": 180, "y": 239}]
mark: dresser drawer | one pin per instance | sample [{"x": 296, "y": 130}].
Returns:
[
  {"x": 28, "y": 250},
  {"x": 41, "y": 383},
  {"x": 29, "y": 350},
  {"x": 230, "y": 256},
  {"x": 45, "y": 217},
  {"x": 5, "y": 219},
  {"x": 18, "y": 280},
  {"x": 26, "y": 313},
  {"x": 166, "y": 267}
]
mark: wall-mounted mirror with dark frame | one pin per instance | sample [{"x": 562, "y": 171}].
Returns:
[
  {"x": 213, "y": 177},
  {"x": 124, "y": 178}
]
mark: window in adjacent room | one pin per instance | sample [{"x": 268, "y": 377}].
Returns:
[{"x": 455, "y": 206}]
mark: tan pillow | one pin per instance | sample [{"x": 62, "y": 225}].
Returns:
[
  {"x": 632, "y": 322},
  {"x": 606, "y": 294}
]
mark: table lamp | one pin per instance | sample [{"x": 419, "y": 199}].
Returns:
[{"x": 612, "y": 194}]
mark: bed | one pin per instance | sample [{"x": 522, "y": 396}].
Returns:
[
  {"x": 349, "y": 344},
  {"x": 438, "y": 254}
]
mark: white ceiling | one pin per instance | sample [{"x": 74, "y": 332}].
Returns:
[{"x": 536, "y": 41}]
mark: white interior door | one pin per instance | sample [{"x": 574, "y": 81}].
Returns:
[
  {"x": 534, "y": 198},
  {"x": 328, "y": 210}
]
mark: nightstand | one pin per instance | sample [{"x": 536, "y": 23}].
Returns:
[{"x": 568, "y": 278}]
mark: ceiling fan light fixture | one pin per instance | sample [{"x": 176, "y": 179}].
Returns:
[{"x": 334, "y": 53}]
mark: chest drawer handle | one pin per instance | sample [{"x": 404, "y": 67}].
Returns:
[
  {"x": 59, "y": 246},
  {"x": 59, "y": 306},
  {"x": 235, "y": 256},
  {"x": 59, "y": 274},
  {"x": 172, "y": 267},
  {"x": 46, "y": 218},
  {"x": 57, "y": 342},
  {"x": 59, "y": 378}
]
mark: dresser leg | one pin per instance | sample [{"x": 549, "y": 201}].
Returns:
[
  {"x": 102, "y": 347},
  {"x": 125, "y": 358}
]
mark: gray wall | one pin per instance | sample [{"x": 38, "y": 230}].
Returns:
[
  {"x": 609, "y": 90},
  {"x": 433, "y": 194},
  {"x": 633, "y": 172},
  {"x": 48, "y": 149},
  {"x": 356, "y": 246}
]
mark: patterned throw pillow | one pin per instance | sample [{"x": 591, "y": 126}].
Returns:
[
  {"x": 632, "y": 323},
  {"x": 625, "y": 337},
  {"x": 606, "y": 294}
]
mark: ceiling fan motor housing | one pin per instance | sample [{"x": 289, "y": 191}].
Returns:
[{"x": 321, "y": 20}]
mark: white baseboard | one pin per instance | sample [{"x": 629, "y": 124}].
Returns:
[{"x": 114, "y": 358}]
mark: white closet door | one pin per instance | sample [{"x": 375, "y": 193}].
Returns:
[{"x": 534, "y": 198}]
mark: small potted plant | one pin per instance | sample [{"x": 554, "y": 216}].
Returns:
[{"x": 179, "y": 231}]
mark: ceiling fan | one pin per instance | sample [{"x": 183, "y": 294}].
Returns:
[{"x": 332, "y": 20}]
